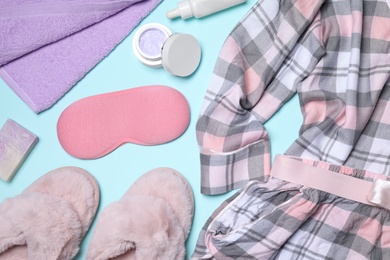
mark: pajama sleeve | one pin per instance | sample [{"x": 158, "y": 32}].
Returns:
[{"x": 251, "y": 80}]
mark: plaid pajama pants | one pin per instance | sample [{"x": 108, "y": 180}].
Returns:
[
  {"x": 283, "y": 220},
  {"x": 335, "y": 55}
]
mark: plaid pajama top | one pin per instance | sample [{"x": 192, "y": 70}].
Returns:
[{"x": 335, "y": 55}]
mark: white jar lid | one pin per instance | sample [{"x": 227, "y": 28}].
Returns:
[
  {"x": 148, "y": 42},
  {"x": 155, "y": 46},
  {"x": 181, "y": 54}
]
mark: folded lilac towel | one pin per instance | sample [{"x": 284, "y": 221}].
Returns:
[{"x": 47, "y": 47}]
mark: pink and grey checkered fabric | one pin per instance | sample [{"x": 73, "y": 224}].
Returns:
[
  {"x": 335, "y": 55},
  {"x": 282, "y": 220}
]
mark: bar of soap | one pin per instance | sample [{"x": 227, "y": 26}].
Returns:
[{"x": 16, "y": 143}]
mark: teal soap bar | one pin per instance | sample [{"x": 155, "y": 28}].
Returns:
[{"x": 16, "y": 143}]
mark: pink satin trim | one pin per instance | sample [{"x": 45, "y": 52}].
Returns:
[{"x": 375, "y": 193}]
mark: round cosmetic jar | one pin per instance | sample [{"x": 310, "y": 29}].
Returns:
[{"x": 156, "y": 46}]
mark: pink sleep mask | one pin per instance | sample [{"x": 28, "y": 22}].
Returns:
[{"x": 94, "y": 126}]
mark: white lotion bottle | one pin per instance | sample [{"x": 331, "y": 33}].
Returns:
[{"x": 200, "y": 8}]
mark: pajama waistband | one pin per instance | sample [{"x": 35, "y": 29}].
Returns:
[{"x": 357, "y": 185}]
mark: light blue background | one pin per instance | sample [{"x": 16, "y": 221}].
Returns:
[{"x": 121, "y": 70}]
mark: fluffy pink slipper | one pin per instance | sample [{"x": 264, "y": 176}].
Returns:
[
  {"x": 50, "y": 218},
  {"x": 94, "y": 126},
  {"x": 151, "y": 221}
]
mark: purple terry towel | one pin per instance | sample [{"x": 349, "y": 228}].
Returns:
[{"x": 47, "y": 46}]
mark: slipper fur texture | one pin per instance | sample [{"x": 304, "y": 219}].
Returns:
[
  {"x": 151, "y": 221},
  {"x": 50, "y": 218}
]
